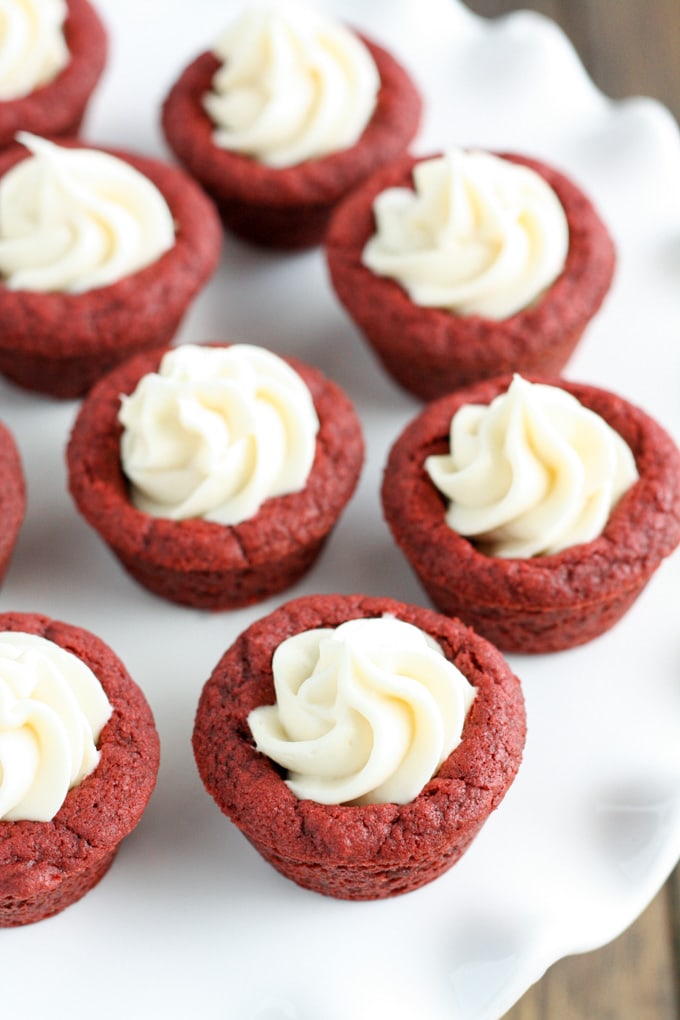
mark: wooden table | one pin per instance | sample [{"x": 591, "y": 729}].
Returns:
[{"x": 630, "y": 47}]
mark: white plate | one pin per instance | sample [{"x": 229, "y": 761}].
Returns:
[{"x": 190, "y": 921}]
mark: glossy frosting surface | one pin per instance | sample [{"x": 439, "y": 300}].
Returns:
[
  {"x": 477, "y": 234},
  {"x": 217, "y": 431},
  {"x": 531, "y": 473},
  {"x": 294, "y": 85},
  {"x": 33, "y": 49},
  {"x": 52, "y": 711},
  {"x": 76, "y": 219},
  {"x": 365, "y": 712}
]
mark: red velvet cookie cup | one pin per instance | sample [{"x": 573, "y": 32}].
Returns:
[
  {"x": 544, "y": 603},
  {"x": 200, "y": 563},
  {"x": 288, "y": 207},
  {"x": 431, "y": 351},
  {"x": 47, "y": 866},
  {"x": 58, "y": 107},
  {"x": 12, "y": 497},
  {"x": 60, "y": 344},
  {"x": 358, "y": 852}
]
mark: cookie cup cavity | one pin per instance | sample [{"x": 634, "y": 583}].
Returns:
[
  {"x": 357, "y": 852},
  {"x": 544, "y": 603},
  {"x": 290, "y": 207},
  {"x": 200, "y": 563},
  {"x": 58, "y": 107},
  {"x": 46, "y": 866},
  {"x": 12, "y": 497},
  {"x": 60, "y": 344},
  {"x": 431, "y": 351}
]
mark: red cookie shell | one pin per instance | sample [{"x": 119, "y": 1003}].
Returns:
[
  {"x": 12, "y": 496},
  {"x": 60, "y": 344},
  {"x": 357, "y": 852},
  {"x": 200, "y": 563},
  {"x": 431, "y": 351},
  {"x": 58, "y": 107},
  {"x": 287, "y": 207},
  {"x": 46, "y": 866},
  {"x": 543, "y": 603}
]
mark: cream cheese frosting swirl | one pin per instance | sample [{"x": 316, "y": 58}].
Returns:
[
  {"x": 52, "y": 711},
  {"x": 72, "y": 220},
  {"x": 216, "y": 432},
  {"x": 478, "y": 235},
  {"x": 365, "y": 712},
  {"x": 294, "y": 85},
  {"x": 33, "y": 48},
  {"x": 531, "y": 473}
]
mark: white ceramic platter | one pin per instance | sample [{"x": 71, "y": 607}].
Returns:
[{"x": 190, "y": 921}]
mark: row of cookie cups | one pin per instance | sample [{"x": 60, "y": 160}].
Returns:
[
  {"x": 538, "y": 604},
  {"x": 60, "y": 343}
]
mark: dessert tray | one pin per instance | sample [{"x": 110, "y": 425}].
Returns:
[{"x": 190, "y": 921}]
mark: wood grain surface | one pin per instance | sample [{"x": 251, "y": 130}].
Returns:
[{"x": 630, "y": 47}]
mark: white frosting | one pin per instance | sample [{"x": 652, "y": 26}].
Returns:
[
  {"x": 478, "y": 235},
  {"x": 365, "y": 712},
  {"x": 76, "y": 219},
  {"x": 294, "y": 85},
  {"x": 531, "y": 473},
  {"x": 52, "y": 712},
  {"x": 33, "y": 49},
  {"x": 216, "y": 432}
]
